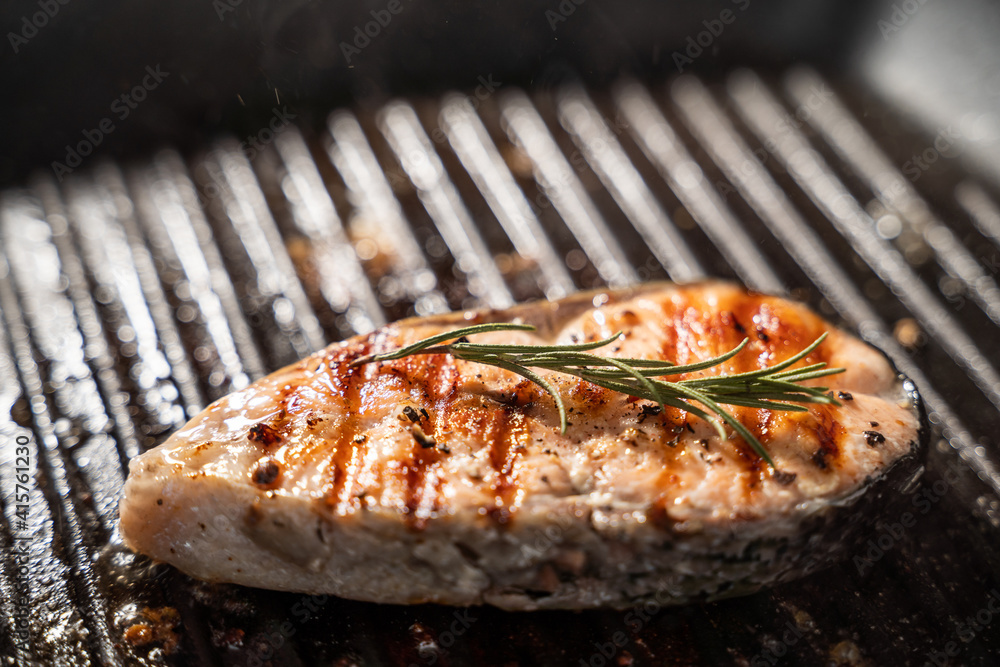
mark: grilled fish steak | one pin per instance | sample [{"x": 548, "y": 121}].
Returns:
[{"x": 431, "y": 479}]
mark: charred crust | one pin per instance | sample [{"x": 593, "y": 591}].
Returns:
[
  {"x": 523, "y": 395},
  {"x": 828, "y": 433},
  {"x": 265, "y": 472},
  {"x": 819, "y": 459},
  {"x": 422, "y": 439},
  {"x": 874, "y": 438},
  {"x": 845, "y": 396},
  {"x": 728, "y": 319},
  {"x": 783, "y": 478},
  {"x": 590, "y": 394},
  {"x": 263, "y": 434},
  {"x": 708, "y": 459},
  {"x": 411, "y": 414},
  {"x": 649, "y": 411}
]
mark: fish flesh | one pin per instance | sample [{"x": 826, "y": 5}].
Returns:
[{"x": 433, "y": 479}]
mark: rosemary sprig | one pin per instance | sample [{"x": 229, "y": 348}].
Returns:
[{"x": 773, "y": 388}]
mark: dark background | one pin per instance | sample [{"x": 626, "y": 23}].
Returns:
[{"x": 229, "y": 66}]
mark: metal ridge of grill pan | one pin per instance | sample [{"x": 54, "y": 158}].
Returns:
[{"x": 131, "y": 296}]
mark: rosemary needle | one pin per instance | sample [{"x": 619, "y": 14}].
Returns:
[{"x": 774, "y": 388}]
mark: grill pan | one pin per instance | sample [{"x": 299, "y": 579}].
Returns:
[{"x": 134, "y": 293}]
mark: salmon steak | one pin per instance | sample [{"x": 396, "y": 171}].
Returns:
[{"x": 431, "y": 478}]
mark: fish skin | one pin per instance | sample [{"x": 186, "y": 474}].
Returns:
[{"x": 430, "y": 479}]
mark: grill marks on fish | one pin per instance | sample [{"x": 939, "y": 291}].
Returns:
[
  {"x": 498, "y": 420},
  {"x": 760, "y": 423},
  {"x": 640, "y": 480},
  {"x": 507, "y": 434},
  {"x": 828, "y": 432},
  {"x": 347, "y": 452},
  {"x": 695, "y": 331},
  {"x": 449, "y": 398},
  {"x": 333, "y": 383},
  {"x": 434, "y": 380},
  {"x": 444, "y": 390},
  {"x": 428, "y": 380}
]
